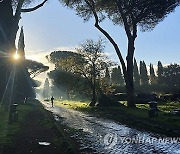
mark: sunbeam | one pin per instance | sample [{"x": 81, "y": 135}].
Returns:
[
  {"x": 7, "y": 86},
  {"x": 12, "y": 88},
  {"x": 9, "y": 90},
  {"x": 4, "y": 53},
  {"x": 25, "y": 73}
]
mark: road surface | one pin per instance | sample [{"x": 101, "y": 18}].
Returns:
[{"x": 106, "y": 136}]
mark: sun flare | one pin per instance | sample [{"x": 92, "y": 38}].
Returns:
[{"x": 16, "y": 56}]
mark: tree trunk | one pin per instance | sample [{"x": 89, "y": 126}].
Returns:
[
  {"x": 6, "y": 22},
  {"x": 93, "y": 102},
  {"x": 129, "y": 74},
  {"x": 6, "y": 44},
  {"x": 93, "y": 96},
  {"x": 8, "y": 31}
]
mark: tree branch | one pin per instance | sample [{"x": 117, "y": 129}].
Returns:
[
  {"x": 125, "y": 20},
  {"x": 34, "y": 8},
  {"x": 108, "y": 37}
]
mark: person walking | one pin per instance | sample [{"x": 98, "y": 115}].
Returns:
[{"x": 52, "y": 101}]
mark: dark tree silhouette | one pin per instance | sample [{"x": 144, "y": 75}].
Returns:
[
  {"x": 35, "y": 68},
  {"x": 21, "y": 44},
  {"x": 159, "y": 73},
  {"x": 143, "y": 73},
  {"x": 107, "y": 76},
  {"x": 9, "y": 19},
  {"x": 68, "y": 85},
  {"x": 89, "y": 62},
  {"x": 152, "y": 75},
  {"x": 130, "y": 14},
  {"x": 117, "y": 77},
  {"x": 10, "y": 15},
  {"x": 24, "y": 84},
  {"x": 171, "y": 77},
  {"x": 136, "y": 74}
]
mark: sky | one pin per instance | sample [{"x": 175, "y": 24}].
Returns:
[{"x": 55, "y": 27}]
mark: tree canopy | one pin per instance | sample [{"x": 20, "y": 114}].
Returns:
[
  {"x": 89, "y": 63},
  {"x": 129, "y": 14},
  {"x": 35, "y": 68}
]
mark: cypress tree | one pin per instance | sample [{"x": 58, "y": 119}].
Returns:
[
  {"x": 136, "y": 73},
  {"x": 117, "y": 77},
  {"x": 24, "y": 83},
  {"x": 160, "y": 72},
  {"x": 21, "y": 44},
  {"x": 152, "y": 74},
  {"x": 107, "y": 76},
  {"x": 121, "y": 78},
  {"x": 143, "y": 73}
]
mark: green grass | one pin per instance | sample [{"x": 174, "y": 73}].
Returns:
[
  {"x": 7, "y": 130},
  {"x": 73, "y": 104},
  {"x": 3, "y": 125},
  {"x": 137, "y": 117}
]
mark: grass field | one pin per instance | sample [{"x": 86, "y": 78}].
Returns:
[{"x": 137, "y": 117}]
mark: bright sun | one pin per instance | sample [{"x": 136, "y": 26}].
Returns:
[{"x": 16, "y": 56}]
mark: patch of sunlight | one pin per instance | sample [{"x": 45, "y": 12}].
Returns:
[
  {"x": 72, "y": 104},
  {"x": 123, "y": 103}
]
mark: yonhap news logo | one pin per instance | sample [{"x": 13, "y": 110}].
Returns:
[{"x": 112, "y": 139}]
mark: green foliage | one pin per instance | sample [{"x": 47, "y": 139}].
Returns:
[
  {"x": 147, "y": 14},
  {"x": 117, "y": 77},
  {"x": 136, "y": 74},
  {"x": 86, "y": 66},
  {"x": 152, "y": 75},
  {"x": 143, "y": 73},
  {"x": 171, "y": 76},
  {"x": 159, "y": 72},
  {"x": 68, "y": 85},
  {"x": 59, "y": 58},
  {"x": 107, "y": 76},
  {"x": 129, "y": 14},
  {"x": 21, "y": 44},
  {"x": 34, "y": 67}
]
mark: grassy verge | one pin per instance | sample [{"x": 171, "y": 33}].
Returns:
[
  {"x": 34, "y": 125},
  {"x": 3, "y": 125},
  {"x": 165, "y": 123},
  {"x": 7, "y": 130}
]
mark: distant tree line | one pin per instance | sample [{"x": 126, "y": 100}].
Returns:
[{"x": 166, "y": 79}]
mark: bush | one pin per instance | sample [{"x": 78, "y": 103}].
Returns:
[
  {"x": 106, "y": 100},
  {"x": 145, "y": 98},
  {"x": 171, "y": 97}
]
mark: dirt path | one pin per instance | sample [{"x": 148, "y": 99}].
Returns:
[{"x": 106, "y": 136}]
